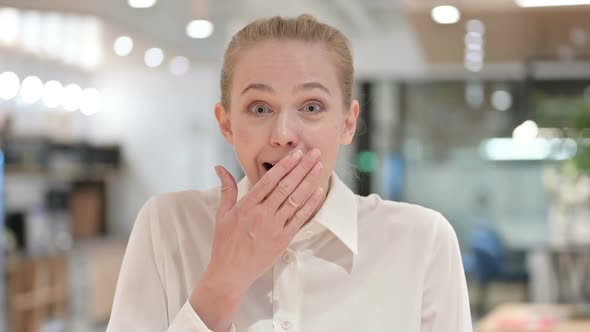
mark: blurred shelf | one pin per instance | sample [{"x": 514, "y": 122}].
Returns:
[{"x": 88, "y": 173}]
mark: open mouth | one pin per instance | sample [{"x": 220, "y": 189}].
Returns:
[{"x": 267, "y": 166}]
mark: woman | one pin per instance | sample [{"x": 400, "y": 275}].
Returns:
[{"x": 289, "y": 248}]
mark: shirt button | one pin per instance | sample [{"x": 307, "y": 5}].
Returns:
[
  {"x": 287, "y": 258},
  {"x": 286, "y": 325}
]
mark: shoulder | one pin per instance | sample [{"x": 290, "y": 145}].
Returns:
[
  {"x": 179, "y": 202},
  {"x": 178, "y": 212},
  {"x": 412, "y": 220}
]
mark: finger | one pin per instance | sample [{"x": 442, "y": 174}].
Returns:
[
  {"x": 301, "y": 193},
  {"x": 270, "y": 179},
  {"x": 229, "y": 190},
  {"x": 292, "y": 180},
  {"x": 301, "y": 216}
]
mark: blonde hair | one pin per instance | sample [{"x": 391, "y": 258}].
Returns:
[{"x": 304, "y": 27}]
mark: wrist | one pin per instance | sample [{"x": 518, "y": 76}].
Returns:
[
  {"x": 219, "y": 286},
  {"x": 215, "y": 300}
]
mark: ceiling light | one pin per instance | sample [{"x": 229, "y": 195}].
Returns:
[
  {"x": 72, "y": 97},
  {"x": 473, "y": 38},
  {"x": 52, "y": 94},
  {"x": 476, "y": 26},
  {"x": 91, "y": 102},
  {"x": 445, "y": 14},
  {"x": 10, "y": 23},
  {"x": 551, "y": 3},
  {"x": 141, "y": 3},
  {"x": 9, "y": 85},
  {"x": 153, "y": 57},
  {"x": 179, "y": 65},
  {"x": 31, "y": 89},
  {"x": 123, "y": 46},
  {"x": 199, "y": 29}
]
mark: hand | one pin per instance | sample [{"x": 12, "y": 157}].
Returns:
[{"x": 252, "y": 233}]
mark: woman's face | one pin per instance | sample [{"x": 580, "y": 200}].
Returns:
[{"x": 286, "y": 95}]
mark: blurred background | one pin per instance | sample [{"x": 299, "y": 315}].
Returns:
[{"x": 478, "y": 109}]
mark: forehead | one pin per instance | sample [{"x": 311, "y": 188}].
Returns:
[{"x": 285, "y": 64}]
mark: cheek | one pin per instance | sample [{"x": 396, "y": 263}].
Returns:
[{"x": 326, "y": 138}]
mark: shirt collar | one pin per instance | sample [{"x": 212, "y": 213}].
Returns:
[{"x": 338, "y": 213}]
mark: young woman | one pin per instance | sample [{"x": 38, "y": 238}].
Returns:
[{"x": 289, "y": 248}]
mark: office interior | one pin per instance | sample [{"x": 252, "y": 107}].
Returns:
[{"x": 477, "y": 109}]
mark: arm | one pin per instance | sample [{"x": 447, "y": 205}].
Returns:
[
  {"x": 445, "y": 303},
  {"x": 140, "y": 302}
]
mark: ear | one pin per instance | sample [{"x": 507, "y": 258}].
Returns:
[
  {"x": 349, "y": 127},
  {"x": 224, "y": 122}
]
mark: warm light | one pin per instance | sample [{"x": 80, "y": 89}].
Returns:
[
  {"x": 9, "y": 85},
  {"x": 10, "y": 23},
  {"x": 31, "y": 33},
  {"x": 141, "y": 3},
  {"x": 179, "y": 65},
  {"x": 72, "y": 95},
  {"x": 445, "y": 14},
  {"x": 91, "y": 51},
  {"x": 199, "y": 29},
  {"x": 501, "y": 100},
  {"x": 123, "y": 46},
  {"x": 52, "y": 94},
  {"x": 91, "y": 102},
  {"x": 153, "y": 57},
  {"x": 551, "y": 3},
  {"x": 70, "y": 48},
  {"x": 52, "y": 33},
  {"x": 31, "y": 89}
]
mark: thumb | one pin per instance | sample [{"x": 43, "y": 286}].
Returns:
[{"x": 229, "y": 190}]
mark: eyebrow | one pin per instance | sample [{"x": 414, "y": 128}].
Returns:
[{"x": 300, "y": 87}]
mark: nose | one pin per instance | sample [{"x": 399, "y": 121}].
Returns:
[{"x": 284, "y": 132}]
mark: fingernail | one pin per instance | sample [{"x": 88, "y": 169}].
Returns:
[
  {"x": 314, "y": 153},
  {"x": 317, "y": 168},
  {"x": 217, "y": 171},
  {"x": 297, "y": 155}
]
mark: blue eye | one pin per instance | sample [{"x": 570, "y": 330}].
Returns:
[
  {"x": 313, "y": 108},
  {"x": 259, "y": 109}
]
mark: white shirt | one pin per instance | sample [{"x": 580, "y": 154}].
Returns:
[{"x": 362, "y": 264}]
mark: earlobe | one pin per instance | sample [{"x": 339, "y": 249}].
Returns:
[
  {"x": 349, "y": 128},
  {"x": 224, "y": 122}
]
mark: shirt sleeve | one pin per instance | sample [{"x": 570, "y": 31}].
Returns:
[
  {"x": 140, "y": 302},
  {"x": 445, "y": 302}
]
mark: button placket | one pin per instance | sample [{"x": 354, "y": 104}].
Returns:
[
  {"x": 286, "y": 325},
  {"x": 285, "y": 292}
]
